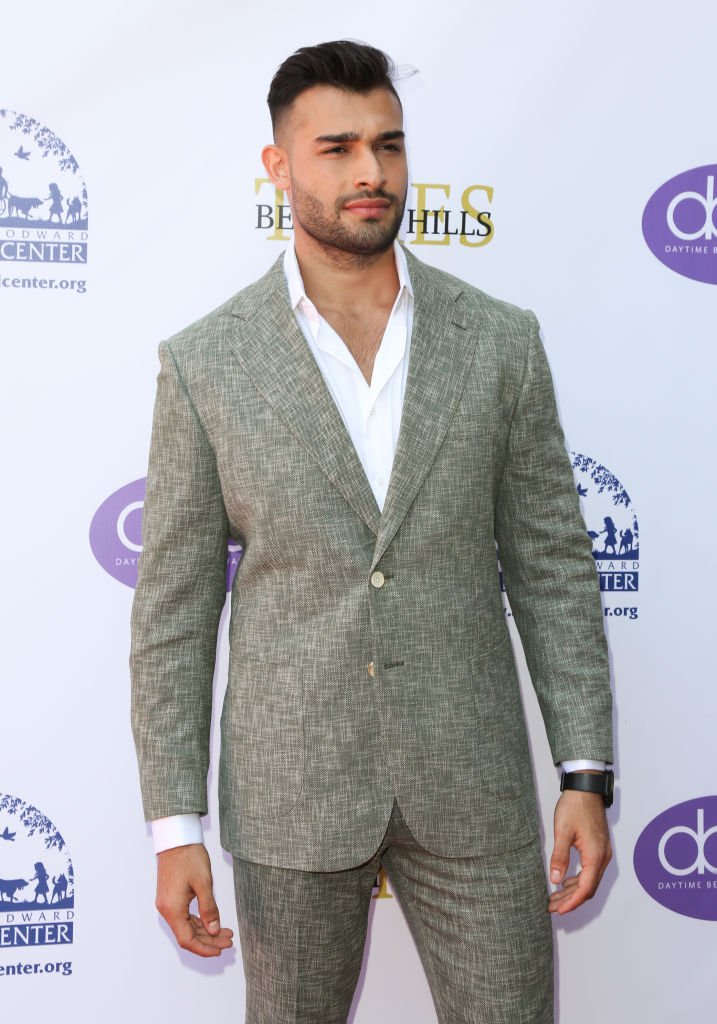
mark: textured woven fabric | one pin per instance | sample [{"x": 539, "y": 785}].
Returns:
[
  {"x": 480, "y": 925},
  {"x": 247, "y": 442}
]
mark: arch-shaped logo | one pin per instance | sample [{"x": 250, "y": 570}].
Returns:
[
  {"x": 37, "y": 880},
  {"x": 675, "y": 858},
  {"x": 680, "y": 223},
  {"x": 43, "y": 196},
  {"x": 613, "y": 528},
  {"x": 116, "y": 535}
]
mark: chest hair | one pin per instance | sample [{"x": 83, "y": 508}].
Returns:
[{"x": 361, "y": 332}]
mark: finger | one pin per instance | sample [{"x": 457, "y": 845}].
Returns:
[
  {"x": 560, "y": 858},
  {"x": 568, "y": 884},
  {"x": 188, "y": 936},
  {"x": 571, "y": 895},
  {"x": 222, "y": 940},
  {"x": 192, "y": 936},
  {"x": 206, "y": 904},
  {"x": 587, "y": 883},
  {"x": 190, "y": 933},
  {"x": 193, "y": 943},
  {"x": 561, "y": 894},
  {"x": 555, "y": 901},
  {"x": 606, "y": 859}
]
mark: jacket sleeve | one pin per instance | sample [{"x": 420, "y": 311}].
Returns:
[
  {"x": 550, "y": 574},
  {"x": 177, "y": 605}
]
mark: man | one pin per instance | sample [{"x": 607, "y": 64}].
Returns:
[{"x": 368, "y": 428}]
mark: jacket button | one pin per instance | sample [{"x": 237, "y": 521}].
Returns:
[
  {"x": 378, "y": 579},
  {"x": 370, "y": 669}
]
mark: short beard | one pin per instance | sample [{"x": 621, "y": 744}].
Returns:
[{"x": 358, "y": 247}]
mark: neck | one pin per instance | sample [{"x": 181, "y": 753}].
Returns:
[{"x": 335, "y": 279}]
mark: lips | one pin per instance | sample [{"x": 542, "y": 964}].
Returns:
[{"x": 367, "y": 204}]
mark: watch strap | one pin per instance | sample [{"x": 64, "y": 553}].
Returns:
[{"x": 590, "y": 782}]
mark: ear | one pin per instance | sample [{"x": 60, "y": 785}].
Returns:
[{"x": 276, "y": 162}]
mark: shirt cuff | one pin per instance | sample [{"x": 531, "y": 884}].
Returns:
[
  {"x": 584, "y": 765},
  {"x": 176, "y": 830}
]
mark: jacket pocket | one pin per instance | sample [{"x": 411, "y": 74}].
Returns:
[
  {"x": 505, "y": 755},
  {"x": 263, "y": 736}
]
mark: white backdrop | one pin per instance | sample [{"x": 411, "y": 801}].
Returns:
[{"x": 569, "y": 117}]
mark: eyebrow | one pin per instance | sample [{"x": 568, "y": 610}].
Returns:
[{"x": 355, "y": 137}]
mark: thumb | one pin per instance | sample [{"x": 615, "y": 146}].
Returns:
[
  {"x": 560, "y": 858},
  {"x": 208, "y": 910}
]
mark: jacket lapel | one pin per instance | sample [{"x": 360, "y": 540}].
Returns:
[
  {"x": 270, "y": 346},
  {"x": 440, "y": 355}
]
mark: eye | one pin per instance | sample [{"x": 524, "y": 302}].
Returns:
[{"x": 335, "y": 149}]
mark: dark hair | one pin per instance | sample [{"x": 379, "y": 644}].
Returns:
[{"x": 355, "y": 67}]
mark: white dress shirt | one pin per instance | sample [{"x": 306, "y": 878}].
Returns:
[{"x": 372, "y": 415}]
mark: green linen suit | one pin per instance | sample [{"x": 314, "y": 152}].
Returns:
[{"x": 348, "y": 689}]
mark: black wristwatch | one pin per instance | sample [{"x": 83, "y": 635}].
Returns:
[{"x": 604, "y": 784}]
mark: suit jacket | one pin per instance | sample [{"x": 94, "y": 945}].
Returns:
[{"x": 347, "y": 688}]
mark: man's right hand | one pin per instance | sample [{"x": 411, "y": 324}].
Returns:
[{"x": 184, "y": 872}]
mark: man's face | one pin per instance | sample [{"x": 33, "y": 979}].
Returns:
[{"x": 346, "y": 167}]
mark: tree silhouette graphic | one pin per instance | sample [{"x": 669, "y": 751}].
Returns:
[
  {"x": 35, "y": 823},
  {"x": 605, "y": 481},
  {"x": 33, "y": 820},
  {"x": 46, "y": 141}
]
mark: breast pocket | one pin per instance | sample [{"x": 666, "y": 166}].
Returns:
[
  {"x": 477, "y": 420},
  {"x": 263, "y": 736}
]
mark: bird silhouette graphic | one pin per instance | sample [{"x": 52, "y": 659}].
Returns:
[
  {"x": 23, "y": 154},
  {"x": 7, "y": 834},
  {"x": 582, "y": 491}
]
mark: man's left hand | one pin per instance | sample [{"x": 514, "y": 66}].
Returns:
[{"x": 580, "y": 821}]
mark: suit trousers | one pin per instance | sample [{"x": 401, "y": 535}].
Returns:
[{"x": 480, "y": 925}]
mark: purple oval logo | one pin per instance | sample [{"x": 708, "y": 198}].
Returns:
[
  {"x": 116, "y": 532},
  {"x": 680, "y": 224},
  {"x": 676, "y": 858},
  {"x": 116, "y": 535}
]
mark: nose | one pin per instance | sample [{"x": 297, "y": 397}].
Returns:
[{"x": 369, "y": 172}]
